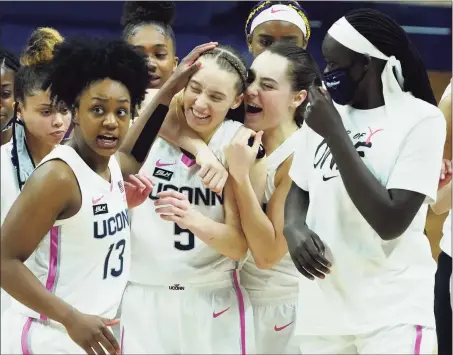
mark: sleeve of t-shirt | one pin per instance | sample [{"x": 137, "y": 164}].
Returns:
[
  {"x": 419, "y": 162},
  {"x": 300, "y": 166}
]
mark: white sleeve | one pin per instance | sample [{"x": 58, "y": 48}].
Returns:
[
  {"x": 301, "y": 164},
  {"x": 419, "y": 162}
]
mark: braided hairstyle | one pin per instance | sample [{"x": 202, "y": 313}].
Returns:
[
  {"x": 83, "y": 61},
  {"x": 144, "y": 13},
  {"x": 302, "y": 71},
  {"x": 391, "y": 39},
  {"x": 263, "y": 5},
  {"x": 231, "y": 61},
  {"x": 8, "y": 60},
  {"x": 35, "y": 61}
]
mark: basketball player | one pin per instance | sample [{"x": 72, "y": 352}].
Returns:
[
  {"x": 59, "y": 278},
  {"x": 272, "y": 21},
  {"x": 442, "y": 289},
  {"x": 9, "y": 65},
  {"x": 41, "y": 126},
  {"x": 184, "y": 296},
  {"x": 276, "y": 98},
  {"x": 355, "y": 214}
]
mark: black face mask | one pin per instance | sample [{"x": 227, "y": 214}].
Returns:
[{"x": 341, "y": 86}]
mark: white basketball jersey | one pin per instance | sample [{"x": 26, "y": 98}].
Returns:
[
  {"x": 284, "y": 274},
  {"x": 85, "y": 259},
  {"x": 162, "y": 252}
]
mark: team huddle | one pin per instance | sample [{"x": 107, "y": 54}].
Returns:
[{"x": 213, "y": 207}]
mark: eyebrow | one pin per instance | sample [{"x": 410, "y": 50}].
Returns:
[
  {"x": 213, "y": 91},
  {"x": 7, "y": 84},
  {"x": 158, "y": 46},
  {"x": 45, "y": 106},
  {"x": 269, "y": 79},
  {"x": 122, "y": 100}
]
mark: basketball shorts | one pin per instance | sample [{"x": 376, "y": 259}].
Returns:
[
  {"x": 24, "y": 335},
  {"x": 402, "y": 339},
  {"x": 274, "y": 326},
  {"x": 181, "y": 319}
]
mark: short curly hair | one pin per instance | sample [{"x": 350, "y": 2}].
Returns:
[{"x": 79, "y": 62}]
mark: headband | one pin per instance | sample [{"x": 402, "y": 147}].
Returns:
[{"x": 280, "y": 12}]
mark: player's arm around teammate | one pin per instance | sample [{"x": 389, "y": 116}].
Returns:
[
  {"x": 227, "y": 238},
  {"x": 141, "y": 135}
]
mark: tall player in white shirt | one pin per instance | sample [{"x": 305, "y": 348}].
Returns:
[
  {"x": 363, "y": 175},
  {"x": 184, "y": 295},
  {"x": 276, "y": 99},
  {"x": 68, "y": 265},
  {"x": 442, "y": 289}
]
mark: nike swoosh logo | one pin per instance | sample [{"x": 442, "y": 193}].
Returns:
[
  {"x": 215, "y": 315},
  {"x": 278, "y": 329},
  {"x": 275, "y": 11},
  {"x": 159, "y": 164},
  {"x": 328, "y": 178},
  {"x": 96, "y": 200}
]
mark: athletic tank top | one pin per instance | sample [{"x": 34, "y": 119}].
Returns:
[
  {"x": 162, "y": 252},
  {"x": 85, "y": 259},
  {"x": 282, "y": 279}
]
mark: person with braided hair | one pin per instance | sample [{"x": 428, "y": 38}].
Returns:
[
  {"x": 271, "y": 21},
  {"x": 184, "y": 295},
  {"x": 363, "y": 176},
  {"x": 9, "y": 65}
]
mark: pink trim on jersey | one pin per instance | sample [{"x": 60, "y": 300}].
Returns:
[
  {"x": 25, "y": 338},
  {"x": 187, "y": 161},
  {"x": 54, "y": 261},
  {"x": 418, "y": 339},
  {"x": 240, "y": 298}
]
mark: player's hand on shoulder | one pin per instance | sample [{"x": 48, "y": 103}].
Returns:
[
  {"x": 242, "y": 152},
  {"x": 213, "y": 174},
  {"x": 90, "y": 332},
  {"x": 137, "y": 188},
  {"x": 308, "y": 254},
  {"x": 173, "y": 206}
]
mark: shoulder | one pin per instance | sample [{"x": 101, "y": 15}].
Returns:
[{"x": 54, "y": 173}]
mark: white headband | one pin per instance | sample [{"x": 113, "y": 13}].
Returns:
[
  {"x": 343, "y": 32},
  {"x": 280, "y": 12}
]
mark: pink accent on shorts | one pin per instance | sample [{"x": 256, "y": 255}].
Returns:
[
  {"x": 122, "y": 341},
  {"x": 187, "y": 161},
  {"x": 25, "y": 339},
  {"x": 240, "y": 298},
  {"x": 418, "y": 339},
  {"x": 54, "y": 261}
]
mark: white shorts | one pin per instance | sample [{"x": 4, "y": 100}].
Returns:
[
  {"x": 402, "y": 339},
  {"x": 23, "y": 335},
  {"x": 215, "y": 319},
  {"x": 5, "y": 301},
  {"x": 274, "y": 327}
]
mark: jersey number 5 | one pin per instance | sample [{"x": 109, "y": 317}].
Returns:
[
  {"x": 191, "y": 242},
  {"x": 119, "y": 247}
]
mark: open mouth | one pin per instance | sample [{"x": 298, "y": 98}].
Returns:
[
  {"x": 105, "y": 141},
  {"x": 199, "y": 115},
  {"x": 252, "y": 108}
]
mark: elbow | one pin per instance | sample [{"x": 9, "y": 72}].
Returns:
[
  {"x": 265, "y": 263},
  {"x": 239, "y": 252},
  {"x": 391, "y": 228}
]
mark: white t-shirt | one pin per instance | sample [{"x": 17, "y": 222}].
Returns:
[{"x": 373, "y": 283}]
